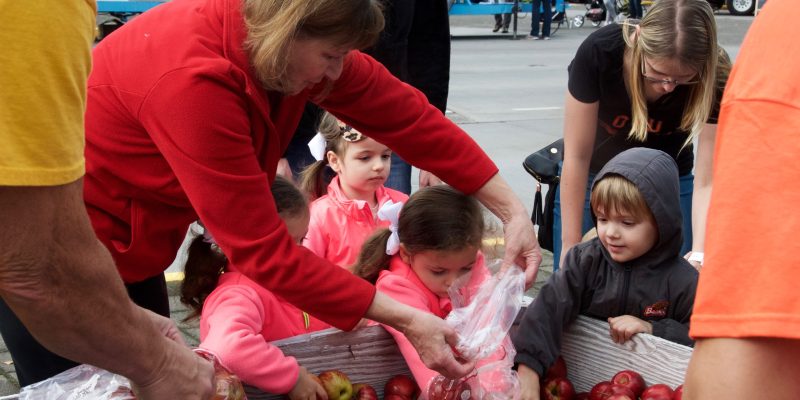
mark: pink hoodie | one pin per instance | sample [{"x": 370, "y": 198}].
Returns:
[
  {"x": 238, "y": 321},
  {"x": 339, "y": 226},
  {"x": 402, "y": 284}
]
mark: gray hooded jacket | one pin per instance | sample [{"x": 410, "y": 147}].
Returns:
[{"x": 658, "y": 287}]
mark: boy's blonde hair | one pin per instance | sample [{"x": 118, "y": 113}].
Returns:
[
  {"x": 615, "y": 193},
  {"x": 681, "y": 30},
  {"x": 272, "y": 26}
]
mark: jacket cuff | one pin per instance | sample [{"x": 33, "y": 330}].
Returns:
[{"x": 529, "y": 362}]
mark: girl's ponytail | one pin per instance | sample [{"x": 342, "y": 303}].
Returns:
[
  {"x": 313, "y": 179},
  {"x": 373, "y": 258},
  {"x": 203, "y": 267}
]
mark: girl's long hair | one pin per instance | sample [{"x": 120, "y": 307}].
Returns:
[
  {"x": 205, "y": 262},
  {"x": 313, "y": 179},
  {"x": 680, "y": 30},
  {"x": 272, "y": 26},
  {"x": 434, "y": 218}
]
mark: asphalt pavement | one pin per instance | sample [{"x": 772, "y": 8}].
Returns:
[{"x": 507, "y": 92}]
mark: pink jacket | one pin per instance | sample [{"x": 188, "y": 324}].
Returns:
[
  {"x": 402, "y": 284},
  {"x": 339, "y": 226},
  {"x": 238, "y": 321}
]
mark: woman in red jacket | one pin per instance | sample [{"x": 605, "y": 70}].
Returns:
[{"x": 191, "y": 105}]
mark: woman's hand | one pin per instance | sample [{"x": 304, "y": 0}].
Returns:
[
  {"x": 307, "y": 387},
  {"x": 528, "y": 383},
  {"x": 521, "y": 246},
  {"x": 625, "y": 326}
]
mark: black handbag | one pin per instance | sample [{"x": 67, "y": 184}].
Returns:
[{"x": 543, "y": 166}]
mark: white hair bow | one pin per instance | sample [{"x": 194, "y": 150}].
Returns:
[
  {"x": 317, "y": 146},
  {"x": 390, "y": 211}
]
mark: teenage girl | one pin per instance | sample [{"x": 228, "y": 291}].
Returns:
[
  {"x": 344, "y": 213},
  {"x": 435, "y": 240},
  {"x": 239, "y": 318},
  {"x": 656, "y": 84}
]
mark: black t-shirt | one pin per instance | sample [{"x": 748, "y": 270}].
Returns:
[{"x": 595, "y": 74}]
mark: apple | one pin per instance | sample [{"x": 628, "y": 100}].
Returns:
[
  {"x": 363, "y": 391},
  {"x": 336, "y": 384},
  {"x": 394, "y": 397},
  {"x": 605, "y": 389},
  {"x": 558, "y": 389},
  {"x": 620, "y": 396},
  {"x": 630, "y": 379},
  {"x": 658, "y": 391},
  {"x": 557, "y": 370},
  {"x": 582, "y": 396},
  {"x": 402, "y": 385},
  {"x": 678, "y": 393}
]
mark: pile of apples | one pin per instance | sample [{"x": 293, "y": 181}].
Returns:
[
  {"x": 338, "y": 387},
  {"x": 624, "y": 385}
]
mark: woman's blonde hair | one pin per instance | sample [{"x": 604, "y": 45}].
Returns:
[
  {"x": 617, "y": 194},
  {"x": 272, "y": 26},
  {"x": 683, "y": 31}
]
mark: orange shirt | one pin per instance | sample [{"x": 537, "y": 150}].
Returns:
[{"x": 748, "y": 285}]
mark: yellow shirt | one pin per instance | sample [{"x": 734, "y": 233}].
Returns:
[{"x": 45, "y": 58}]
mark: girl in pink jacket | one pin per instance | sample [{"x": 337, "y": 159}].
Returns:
[
  {"x": 239, "y": 318},
  {"x": 435, "y": 240},
  {"x": 344, "y": 214}
]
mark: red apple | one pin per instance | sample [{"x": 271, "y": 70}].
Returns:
[
  {"x": 557, "y": 370},
  {"x": 678, "y": 393},
  {"x": 630, "y": 379},
  {"x": 620, "y": 396},
  {"x": 558, "y": 389},
  {"x": 582, "y": 396},
  {"x": 402, "y": 385},
  {"x": 605, "y": 389},
  {"x": 336, "y": 384},
  {"x": 363, "y": 391},
  {"x": 395, "y": 397},
  {"x": 658, "y": 391}
]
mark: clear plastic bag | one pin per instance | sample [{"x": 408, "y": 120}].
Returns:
[
  {"x": 86, "y": 382},
  {"x": 482, "y": 317}
]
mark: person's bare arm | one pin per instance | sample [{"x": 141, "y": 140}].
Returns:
[
  {"x": 521, "y": 246},
  {"x": 62, "y": 284},
  {"x": 748, "y": 368},
  {"x": 580, "y": 121},
  {"x": 701, "y": 195}
]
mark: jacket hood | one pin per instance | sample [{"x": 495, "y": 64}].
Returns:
[{"x": 655, "y": 174}]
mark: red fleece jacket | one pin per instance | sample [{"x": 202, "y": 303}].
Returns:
[{"x": 178, "y": 128}]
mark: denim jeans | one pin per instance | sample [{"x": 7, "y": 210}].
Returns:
[
  {"x": 399, "y": 175},
  {"x": 686, "y": 183},
  {"x": 635, "y": 9},
  {"x": 545, "y": 14}
]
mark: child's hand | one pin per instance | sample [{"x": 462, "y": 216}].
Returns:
[
  {"x": 625, "y": 326},
  {"x": 307, "y": 387},
  {"x": 528, "y": 383}
]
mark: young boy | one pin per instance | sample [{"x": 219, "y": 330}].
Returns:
[{"x": 632, "y": 274}]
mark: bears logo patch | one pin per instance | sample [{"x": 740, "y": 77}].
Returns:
[{"x": 657, "y": 310}]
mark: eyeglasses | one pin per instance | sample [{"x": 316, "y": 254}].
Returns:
[{"x": 664, "y": 81}]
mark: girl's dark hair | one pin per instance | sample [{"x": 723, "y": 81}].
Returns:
[
  {"x": 205, "y": 261},
  {"x": 434, "y": 218}
]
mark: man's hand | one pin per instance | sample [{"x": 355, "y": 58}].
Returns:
[
  {"x": 180, "y": 374},
  {"x": 166, "y": 326},
  {"x": 428, "y": 179},
  {"x": 625, "y": 326},
  {"x": 434, "y": 341}
]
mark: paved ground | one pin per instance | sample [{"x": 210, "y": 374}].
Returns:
[{"x": 507, "y": 94}]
